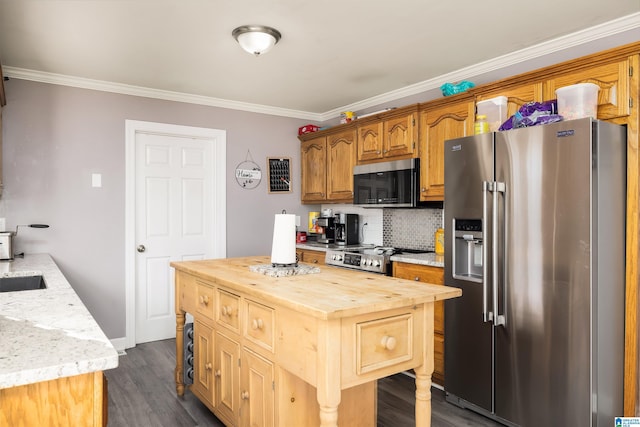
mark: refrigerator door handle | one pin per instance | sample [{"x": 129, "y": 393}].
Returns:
[
  {"x": 499, "y": 319},
  {"x": 487, "y": 316}
]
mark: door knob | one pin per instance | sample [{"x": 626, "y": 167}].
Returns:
[{"x": 141, "y": 248}]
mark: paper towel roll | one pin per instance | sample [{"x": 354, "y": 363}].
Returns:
[{"x": 283, "y": 250}]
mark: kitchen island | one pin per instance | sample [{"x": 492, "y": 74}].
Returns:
[
  {"x": 303, "y": 349},
  {"x": 52, "y": 352}
]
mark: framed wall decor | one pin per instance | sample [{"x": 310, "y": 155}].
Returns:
[{"x": 279, "y": 170}]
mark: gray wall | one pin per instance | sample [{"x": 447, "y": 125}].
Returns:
[{"x": 55, "y": 137}]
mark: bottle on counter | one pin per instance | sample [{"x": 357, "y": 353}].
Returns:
[
  {"x": 481, "y": 125},
  {"x": 439, "y": 241}
]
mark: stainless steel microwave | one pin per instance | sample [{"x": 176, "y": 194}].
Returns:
[{"x": 387, "y": 184}]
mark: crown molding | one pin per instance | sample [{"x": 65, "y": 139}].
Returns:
[
  {"x": 608, "y": 29},
  {"x": 124, "y": 89}
]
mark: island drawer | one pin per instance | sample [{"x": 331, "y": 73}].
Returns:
[
  {"x": 259, "y": 324},
  {"x": 383, "y": 342},
  {"x": 228, "y": 310},
  {"x": 205, "y": 299}
]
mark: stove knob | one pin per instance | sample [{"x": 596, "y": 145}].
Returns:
[
  {"x": 369, "y": 262},
  {"x": 376, "y": 263}
]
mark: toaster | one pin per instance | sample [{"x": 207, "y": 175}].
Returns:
[{"x": 6, "y": 245}]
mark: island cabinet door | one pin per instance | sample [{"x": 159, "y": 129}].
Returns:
[
  {"x": 203, "y": 381},
  {"x": 257, "y": 391},
  {"x": 227, "y": 373}
]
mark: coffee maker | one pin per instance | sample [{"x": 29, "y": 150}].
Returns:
[
  {"x": 346, "y": 229},
  {"x": 327, "y": 223}
]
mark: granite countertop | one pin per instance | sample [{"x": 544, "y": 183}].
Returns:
[
  {"x": 430, "y": 259},
  {"x": 47, "y": 334}
]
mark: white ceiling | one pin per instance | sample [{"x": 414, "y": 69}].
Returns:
[{"x": 333, "y": 54}]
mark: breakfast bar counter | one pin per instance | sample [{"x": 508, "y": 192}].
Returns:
[{"x": 309, "y": 347}]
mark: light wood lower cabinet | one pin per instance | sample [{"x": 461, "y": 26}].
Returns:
[
  {"x": 435, "y": 276},
  {"x": 80, "y": 400},
  {"x": 311, "y": 257}
]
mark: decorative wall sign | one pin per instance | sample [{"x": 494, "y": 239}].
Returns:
[
  {"x": 248, "y": 173},
  {"x": 279, "y": 169}
]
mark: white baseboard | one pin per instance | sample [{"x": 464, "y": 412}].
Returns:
[{"x": 119, "y": 343}]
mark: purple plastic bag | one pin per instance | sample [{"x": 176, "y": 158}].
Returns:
[{"x": 532, "y": 114}]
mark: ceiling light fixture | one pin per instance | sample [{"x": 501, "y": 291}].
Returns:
[{"x": 256, "y": 39}]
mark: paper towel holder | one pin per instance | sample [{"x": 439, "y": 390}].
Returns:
[{"x": 294, "y": 254}]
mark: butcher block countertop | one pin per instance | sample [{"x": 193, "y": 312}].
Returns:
[{"x": 330, "y": 294}]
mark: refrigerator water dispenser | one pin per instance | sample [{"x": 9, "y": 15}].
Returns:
[{"x": 467, "y": 249}]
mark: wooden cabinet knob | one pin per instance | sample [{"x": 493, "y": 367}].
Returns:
[
  {"x": 315, "y": 261},
  {"x": 204, "y": 299},
  {"x": 417, "y": 279},
  {"x": 217, "y": 373},
  {"x": 423, "y": 190},
  {"x": 388, "y": 342},
  {"x": 244, "y": 395},
  {"x": 227, "y": 310},
  {"x": 257, "y": 324},
  {"x": 208, "y": 366}
]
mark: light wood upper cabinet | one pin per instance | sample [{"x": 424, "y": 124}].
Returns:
[
  {"x": 313, "y": 185},
  {"x": 438, "y": 123},
  {"x": 370, "y": 141},
  {"x": 401, "y": 135},
  {"x": 612, "y": 78},
  {"x": 341, "y": 159},
  {"x": 327, "y": 167},
  {"x": 388, "y": 136},
  {"x": 517, "y": 95}
]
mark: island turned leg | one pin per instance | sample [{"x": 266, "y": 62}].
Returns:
[
  {"x": 328, "y": 365},
  {"x": 423, "y": 372},
  {"x": 180, "y": 319},
  {"x": 423, "y": 398}
]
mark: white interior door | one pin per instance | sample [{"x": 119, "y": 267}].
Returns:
[{"x": 177, "y": 217}]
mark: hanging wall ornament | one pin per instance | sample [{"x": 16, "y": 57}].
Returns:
[{"x": 248, "y": 173}]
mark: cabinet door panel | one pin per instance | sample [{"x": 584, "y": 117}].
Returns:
[
  {"x": 341, "y": 149},
  {"x": 203, "y": 382},
  {"x": 370, "y": 141},
  {"x": 612, "y": 79},
  {"x": 314, "y": 170},
  {"x": 400, "y": 136},
  {"x": 227, "y": 373},
  {"x": 517, "y": 96},
  {"x": 258, "y": 391},
  {"x": 437, "y": 125}
]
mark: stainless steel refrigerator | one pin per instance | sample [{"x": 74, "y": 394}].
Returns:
[{"x": 535, "y": 238}]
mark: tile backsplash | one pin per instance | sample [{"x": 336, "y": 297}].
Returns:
[
  {"x": 401, "y": 228},
  {"x": 411, "y": 228}
]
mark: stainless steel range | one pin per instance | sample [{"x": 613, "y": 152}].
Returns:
[{"x": 371, "y": 259}]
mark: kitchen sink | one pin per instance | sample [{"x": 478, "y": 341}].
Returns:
[{"x": 21, "y": 283}]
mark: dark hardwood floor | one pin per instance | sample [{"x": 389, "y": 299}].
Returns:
[{"x": 142, "y": 394}]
